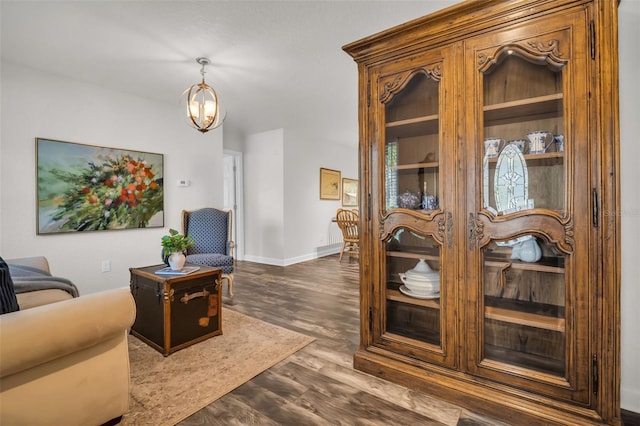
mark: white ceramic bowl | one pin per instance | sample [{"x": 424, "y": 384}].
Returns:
[
  {"x": 421, "y": 279},
  {"x": 419, "y": 286}
]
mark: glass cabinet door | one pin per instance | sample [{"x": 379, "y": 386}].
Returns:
[
  {"x": 523, "y": 142},
  {"x": 415, "y": 238},
  {"x": 413, "y": 287},
  {"x": 530, "y": 151},
  {"x": 412, "y": 144}
]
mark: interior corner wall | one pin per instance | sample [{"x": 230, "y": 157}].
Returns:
[
  {"x": 285, "y": 220},
  {"x": 38, "y": 104},
  {"x": 263, "y": 197},
  {"x": 309, "y": 230}
]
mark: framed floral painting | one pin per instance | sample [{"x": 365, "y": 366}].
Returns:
[{"x": 93, "y": 188}]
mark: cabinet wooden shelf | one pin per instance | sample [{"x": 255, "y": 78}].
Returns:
[
  {"x": 546, "y": 158},
  {"x": 524, "y": 318},
  {"x": 399, "y": 297},
  {"x": 413, "y": 253},
  {"x": 551, "y": 265},
  {"x": 531, "y": 108},
  {"x": 526, "y": 306},
  {"x": 426, "y": 125},
  {"x": 529, "y": 342},
  {"x": 415, "y": 166}
]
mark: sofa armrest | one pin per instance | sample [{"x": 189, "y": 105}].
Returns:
[
  {"x": 35, "y": 336},
  {"x": 37, "y": 262}
]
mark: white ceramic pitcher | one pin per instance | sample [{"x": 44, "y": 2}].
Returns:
[
  {"x": 539, "y": 141},
  {"x": 492, "y": 146}
]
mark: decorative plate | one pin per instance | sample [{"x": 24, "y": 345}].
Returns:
[
  {"x": 511, "y": 182},
  {"x": 410, "y": 293}
]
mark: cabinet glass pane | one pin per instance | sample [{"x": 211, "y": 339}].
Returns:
[
  {"x": 413, "y": 287},
  {"x": 412, "y": 146},
  {"x": 524, "y": 143},
  {"x": 524, "y": 304}
]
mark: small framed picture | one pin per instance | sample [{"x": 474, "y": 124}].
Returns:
[
  {"x": 349, "y": 192},
  {"x": 329, "y": 184}
]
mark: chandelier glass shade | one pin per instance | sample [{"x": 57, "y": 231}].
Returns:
[{"x": 201, "y": 104}]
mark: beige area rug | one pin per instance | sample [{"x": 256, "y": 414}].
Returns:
[{"x": 167, "y": 390}]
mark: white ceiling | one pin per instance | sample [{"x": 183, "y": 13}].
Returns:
[{"x": 275, "y": 64}]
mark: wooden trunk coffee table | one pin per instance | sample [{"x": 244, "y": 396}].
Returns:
[{"x": 176, "y": 311}]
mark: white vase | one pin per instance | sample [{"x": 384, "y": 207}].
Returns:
[{"x": 176, "y": 260}]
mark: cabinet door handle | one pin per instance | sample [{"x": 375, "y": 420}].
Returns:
[{"x": 595, "y": 211}]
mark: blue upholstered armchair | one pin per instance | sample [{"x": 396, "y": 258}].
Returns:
[{"x": 211, "y": 230}]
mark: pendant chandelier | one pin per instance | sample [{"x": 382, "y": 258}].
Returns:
[{"x": 201, "y": 104}]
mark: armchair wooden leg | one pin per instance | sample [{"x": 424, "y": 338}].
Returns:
[{"x": 229, "y": 278}]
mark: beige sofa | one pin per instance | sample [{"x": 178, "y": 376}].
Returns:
[
  {"x": 34, "y": 287},
  {"x": 66, "y": 363}
]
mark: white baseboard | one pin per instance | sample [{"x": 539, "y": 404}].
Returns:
[
  {"x": 263, "y": 260},
  {"x": 320, "y": 252}
]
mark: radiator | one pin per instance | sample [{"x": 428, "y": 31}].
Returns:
[{"x": 334, "y": 234}]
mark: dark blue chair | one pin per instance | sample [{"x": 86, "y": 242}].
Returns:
[{"x": 210, "y": 228}]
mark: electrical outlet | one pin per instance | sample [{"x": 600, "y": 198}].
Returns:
[{"x": 106, "y": 266}]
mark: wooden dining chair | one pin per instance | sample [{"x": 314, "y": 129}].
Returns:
[{"x": 348, "y": 222}]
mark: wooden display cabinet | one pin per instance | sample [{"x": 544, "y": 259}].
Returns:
[{"x": 525, "y": 325}]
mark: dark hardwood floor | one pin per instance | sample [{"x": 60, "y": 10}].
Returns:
[{"x": 318, "y": 385}]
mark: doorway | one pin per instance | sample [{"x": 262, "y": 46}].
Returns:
[{"x": 234, "y": 196}]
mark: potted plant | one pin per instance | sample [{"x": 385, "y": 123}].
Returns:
[{"x": 173, "y": 247}]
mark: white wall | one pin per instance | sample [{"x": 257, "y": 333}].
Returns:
[
  {"x": 35, "y": 104},
  {"x": 629, "y": 59},
  {"x": 263, "y": 197}
]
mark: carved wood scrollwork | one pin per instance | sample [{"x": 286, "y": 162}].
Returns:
[
  {"x": 392, "y": 87},
  {"x": 442, "y": 223},
  {"x": 541, "y": 52},
  {"x": 445, "y": 229},
  {"x": 449, "y": 230},
  {"x": 414, "y": 222},
  {"x": 552, "y": 46},
  {"x": 476, "y": 230},
  {"x": 569, "y": 234},
  {"x": 381, "y": 232},
  {"x": 435, "y": 73},
  {"x": 552, "y": 228}
]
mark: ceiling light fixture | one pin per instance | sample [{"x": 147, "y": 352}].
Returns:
[{"x": 201, "y": 104}]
